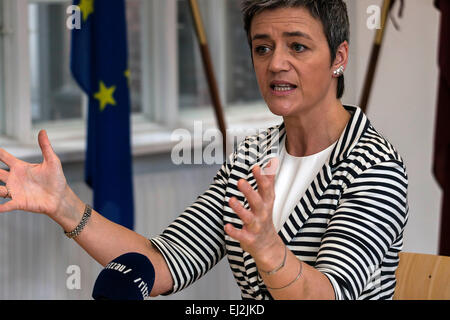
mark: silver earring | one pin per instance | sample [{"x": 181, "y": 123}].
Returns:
[{"x": 339, "y": 72}]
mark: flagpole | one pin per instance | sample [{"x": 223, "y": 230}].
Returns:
[
  {"x": 373, "y": 62},
  {"x": 207, "y": 63}
]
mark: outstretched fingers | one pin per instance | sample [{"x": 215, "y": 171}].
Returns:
[
  {"x": 241, "y": 235},
  {"x": 245, "y": 215},
  {"x": 4, "y": 193},
  {"x": 8, "y": 206},
  {"x": 4, "y": 175},
  {"x": 253, "y": 197},
  {"x": 7, "y": 158},
  {"x": 265, "y": 183},
  {"x": 265, "y": 178}
]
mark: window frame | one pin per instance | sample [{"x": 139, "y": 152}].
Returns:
[
  {"x": 153, "y": 127},
  {"x": 16, "y": 71}
]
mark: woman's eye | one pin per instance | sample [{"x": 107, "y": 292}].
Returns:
[
  {"x": 261, "y": 50},
  {"x": 297, "y": 47}
]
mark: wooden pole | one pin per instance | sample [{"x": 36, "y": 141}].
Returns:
[
  {"x": 387, "y": 5},
  {"x": 209, "y": 71}
]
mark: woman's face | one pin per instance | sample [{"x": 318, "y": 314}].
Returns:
[{"x": 292, "y": 60}]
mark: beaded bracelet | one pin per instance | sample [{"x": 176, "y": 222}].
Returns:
[{"x": 87, "y": 214}]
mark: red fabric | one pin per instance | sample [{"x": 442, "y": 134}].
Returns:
[{"x": 441, "y": 166}]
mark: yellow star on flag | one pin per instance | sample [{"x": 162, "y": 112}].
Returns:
[
  {"x": 105, "y": 96},
  {"x": 87, "y": 8}
]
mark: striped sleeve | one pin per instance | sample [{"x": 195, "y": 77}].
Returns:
[
  {"x": 194, "y": 242},
  {"x": 370, "y": 217}
]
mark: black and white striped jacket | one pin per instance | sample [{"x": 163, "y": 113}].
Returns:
[{"x": 349, "y": 223}]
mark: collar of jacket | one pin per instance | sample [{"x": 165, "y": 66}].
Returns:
[{"x": 269, "y": 143}]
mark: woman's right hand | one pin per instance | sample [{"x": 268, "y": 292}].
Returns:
[{"x": 38, "y": 188}]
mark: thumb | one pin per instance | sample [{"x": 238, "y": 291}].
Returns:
[
  {"x": 9, "y": 206},
  {"x": 46, "y": 147}
]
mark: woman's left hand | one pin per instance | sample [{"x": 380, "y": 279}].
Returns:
[{"x": 258, "y": 235}]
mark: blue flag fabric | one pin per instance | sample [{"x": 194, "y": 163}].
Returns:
[{"x": 99, "y": 64}]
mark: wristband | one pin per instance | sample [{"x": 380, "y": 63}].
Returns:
[{"x": 87, "y": 214}]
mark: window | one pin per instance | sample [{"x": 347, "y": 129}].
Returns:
[
  {"x": 242, "y": 86},
  {"x": 54, "y": 93},
  {"x": 56, "y": 96},
  {"x": 167, "y": 80},
  {"x": 231, "y": 56},
  {"x": 134, "y": 8},
  {"x": 193, "y": 88}
]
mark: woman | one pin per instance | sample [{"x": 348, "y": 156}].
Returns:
[{"x": 314, "y": 208}]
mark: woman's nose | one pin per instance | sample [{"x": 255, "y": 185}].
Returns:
[{"x": 279, "y": 61}]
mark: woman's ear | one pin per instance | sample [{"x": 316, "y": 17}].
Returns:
[{"x": 341, "y": 60}]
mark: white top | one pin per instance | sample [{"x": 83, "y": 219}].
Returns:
[{"x": 294, "y": 175}]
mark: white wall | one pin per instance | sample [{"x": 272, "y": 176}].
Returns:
[{"x": 403, "y": 103}]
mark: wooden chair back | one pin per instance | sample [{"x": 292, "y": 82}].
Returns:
[{"x": 422, "y": 277}]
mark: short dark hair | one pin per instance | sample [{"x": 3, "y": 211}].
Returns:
[{"x": 331, "y": 13}]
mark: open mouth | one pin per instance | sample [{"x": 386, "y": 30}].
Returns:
[{"x": 282, "y": 87}]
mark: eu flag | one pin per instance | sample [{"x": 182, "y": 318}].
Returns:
[{"x": 99, "y": 64}]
